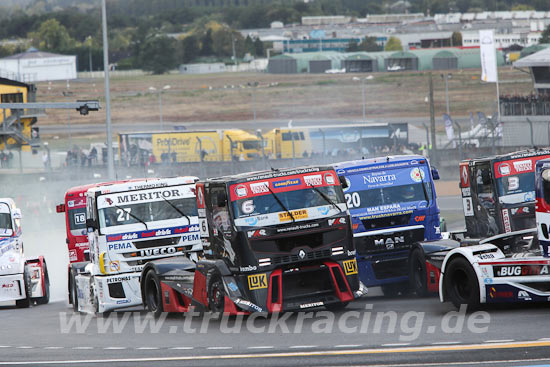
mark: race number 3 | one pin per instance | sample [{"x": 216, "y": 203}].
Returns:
[
  {"x": 353, "y": 200},
  {"x": 468, "y": 207}
]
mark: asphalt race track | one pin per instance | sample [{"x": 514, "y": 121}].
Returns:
[{"x": 424, "y": 333}]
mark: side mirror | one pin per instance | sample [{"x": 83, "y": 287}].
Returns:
[
  {"x": 91, "y": 224},
  {"x": 343, "y": 182},
  {"x": 221, "y": 199},
  {"x": 16, "y": 214},
  {"x": 435, "y": 173},
  {"x": 546, "y": 175},
  {"x": 60, "y": 208}
]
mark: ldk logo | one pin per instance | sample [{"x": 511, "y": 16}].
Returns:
[
  {"x": 257, "y": 281},
  {"x": 350, "y": 267}
]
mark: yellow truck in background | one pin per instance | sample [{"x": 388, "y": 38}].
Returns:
[
  {"x": 12, "y": 91},
  {"x": 189, "y": 146},
  {"x": 283, "y": 143}
]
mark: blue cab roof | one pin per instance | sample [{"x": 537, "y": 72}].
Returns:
[{"x": 378, "y": 160}]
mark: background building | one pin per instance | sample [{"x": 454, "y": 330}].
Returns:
[{"x": 36, "y": 66}]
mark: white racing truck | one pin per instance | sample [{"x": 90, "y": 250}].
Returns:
[
  {"x": 129, "y": 224},
  {"x": 22, "y": 280}
]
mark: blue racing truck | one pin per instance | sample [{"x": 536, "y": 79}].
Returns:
[{"x": 396, "y": 223}]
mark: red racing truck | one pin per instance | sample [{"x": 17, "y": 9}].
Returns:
[{"x": 273, "y": 241}]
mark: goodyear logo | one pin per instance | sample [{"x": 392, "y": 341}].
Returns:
[
  {"x": 297, "y": 214},
  {"x": 350, "y": 267},
  {"x": 287, "y": 183},
  {"x": 257, "y": 281}
]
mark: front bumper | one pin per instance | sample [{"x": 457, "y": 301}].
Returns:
[{"x": 12, "y": 287}]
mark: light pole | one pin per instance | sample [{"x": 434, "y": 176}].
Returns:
[
  {"x": 89, "y": 39},
  {"x": 153, "y": 89},
  {"x": 110, "y": 158},
  {"x": 446, "y": 77},
  {"x": 363, "y": 93},
  {"x": 253, "y": 85}
]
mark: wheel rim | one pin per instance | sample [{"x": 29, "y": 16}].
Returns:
[
  {"x": 152, "y": 295},
  {"x": 461, "y": 283},
  {"x": 217, "y": 296}
]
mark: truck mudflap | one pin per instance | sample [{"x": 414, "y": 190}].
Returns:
[{"x": 38, "y": 281}]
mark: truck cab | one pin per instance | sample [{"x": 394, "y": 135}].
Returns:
[
  {"x": 129, "y": 224},
  {"x": 395, "y": 220},
  {"x": 273, "y": 241},
  {"x": 498, "y": 193},
  {"x": 22, "y": 280}
]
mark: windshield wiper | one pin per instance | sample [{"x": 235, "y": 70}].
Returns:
[
  {"x": 325, "y": 197},
  {"x": 178, "y": 210},
  {"x": 425, "y": 190},
  {"x": 133, "y": 216},
  {"x": 281, "y": 204}
]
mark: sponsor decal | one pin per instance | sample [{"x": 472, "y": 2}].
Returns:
[
  {"x": 287, "y": 183},
  {"x": 158, "y": 251},
  {"x": 378, "y": 179},
  {"x": 520, "y": 211},
  {"x": 79, "y": 218},
  {"x": 257, "y": 233},
  {"x": 466, "y": 192},
  {"x": 348, "y": 181},
  {"x": 419, "y": 218},
  {"x": 9, "y": 285},
  {"x": 520, "y": 270},
  {"x": 200, "y": 196},
  {"x": 312, "y": 304},
  {"x": 259, "y": 187},
  {"x": 144, "y": 196},
  {"x": 251, "y": 221},
  {"x": 337, "y": 221},
  {"x": 248, "y": 207},
  {"x": 120, "y": 246},
  {"x": 249, "y": 304},
  {"x": 493, "y": 293},
  {"x": 296, "y": 228},
  {"x": 329, "y": 179},
  {"x": 248, "y": 268},
  {"x": 72, "y": 255},
  {"x": 464, "y": 176},
  {"x": 523, "y": 165},
  {"x": 176, "y": 277},
  {"x": 241, "y": 191},
  {"x": 486, "y": 256},
  {"x": 122, "y": 301},
  {"x": 149, "y": 234},
  {"x": 350, "y": 267},
  {"x": 352, "y": 253},
  {"x": 232, "y": 286},
  {"x": 417, "y": 174},
  {"x": 323, "y": 210},
  {"x": 504, "y": 169},
  {"x": 114, "y": 265},
  {"x": 506, "y": 220},
  {"x": 313, "y": 180},
  {"x": 257, "y": 281},
  {"x": 118, "y": 279},
  {"x": 297, "y": 214},
  {"x": 355, "y": 226}
]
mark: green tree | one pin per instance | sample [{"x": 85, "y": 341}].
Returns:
[
  {"x": 393, "y": 44},
  {"x": 157, "y": 54},
  {"x": 223, "y": 39},
  {"x": 249, "y": 45},
  {"x": 190, "y": 48},
  {"x": 259, "y": 49},
  {"x": 456, "y": 39},
  {"x": 51, "y": 36},
  {"x": 207, "y": 44},
  {"x": 369, "y": 45},
  {"x": 353, "y": 46},
  {"x": 545, "y": 35}
]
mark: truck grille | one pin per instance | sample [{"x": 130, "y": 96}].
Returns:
[
  {"x": 287, "y": 259},
  {"x": 158, "y": 242},
  {"x": 386, "y": 222}
]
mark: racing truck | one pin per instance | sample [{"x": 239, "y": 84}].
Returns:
[
  {"x": 509, "y": 267},
  {"x": 498, "y": 194},
  {"x": 22, "y": 280},
  {"x": 396, "y": 222},
  {"x": 129, "y": 224},
  {"x": 273, "y": 241}
]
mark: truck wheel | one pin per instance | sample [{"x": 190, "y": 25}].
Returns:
[
  {"x": 418, "y": 281},
  {"x": 152, "y": 294},
  {"x": 73, "y": 291},
  {"x": 46, "y": 297},
  {"x": 216, "y": 294},
  {"x": 393, "y": 289},
  {"x": 460, "y": 283},
  {"x": 26, "y": 302}
]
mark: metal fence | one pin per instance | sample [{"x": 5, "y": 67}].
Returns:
[{"x": 525, "y": 108}]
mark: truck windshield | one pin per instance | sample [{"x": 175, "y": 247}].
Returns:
[
  {"x": 251, "y": 144},
  {"x": 390, "y": 188},
  {"x": 516, "y": 189},
  {"x": 292, "y": 200},
  {"x": 5, "y": 221},
  {"x": 154, "y": 211}
]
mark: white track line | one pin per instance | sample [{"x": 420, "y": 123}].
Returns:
[
  {"x": 302, "y": 346},
  {"x": 182, "y": 348},
  {"x": 219, "y": 348},
  {"x": 348, "y": 346},
  {"x": 262, "y": 347},
  {"x": 114, "y": 348},
  {"x": 147, "y": 348}
]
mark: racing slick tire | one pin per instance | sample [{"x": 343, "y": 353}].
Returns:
[
  {"x": 26, "y": 302},
  {"x": 461, "y": 284},
  {"x": 418, "y": 282},
  {"x": 73, "y": 292},
  {"x": 46, "y": 297},
  {"x": 216, "y": 294},
  {"x": 152, "y": 297},
  {"x": 393, "y": 289}
]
